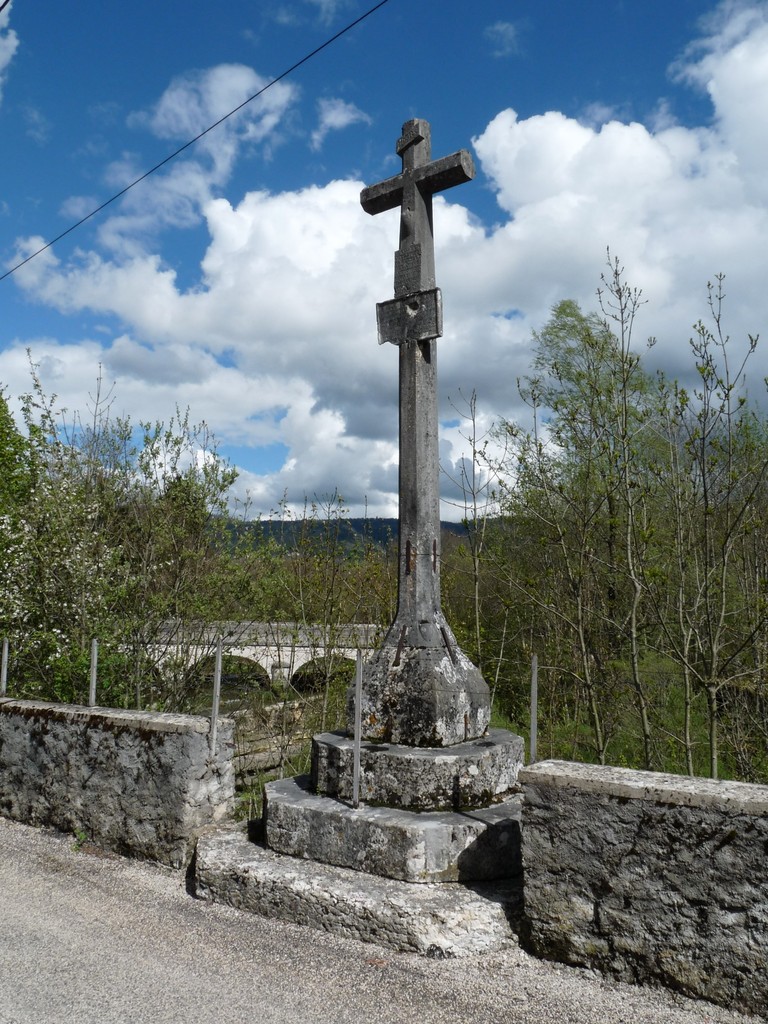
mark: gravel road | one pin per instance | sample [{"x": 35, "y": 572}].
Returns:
[{"x": 96, "y": 939}]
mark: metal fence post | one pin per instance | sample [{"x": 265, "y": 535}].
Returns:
[
  {"x": 94, "y": 670},
  {"x": 358, "y": 717},
  {"x": 4, "y": 669},
  {"x": 213, "y": 732},
  {"x": 534, "y": 706}
]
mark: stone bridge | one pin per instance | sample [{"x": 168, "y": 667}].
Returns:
[{"x": 280, "y": 649}]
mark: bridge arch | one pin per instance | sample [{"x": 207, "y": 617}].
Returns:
[
  {"x": 317, "y": 673},
  {"x": 243, "y": 681}
]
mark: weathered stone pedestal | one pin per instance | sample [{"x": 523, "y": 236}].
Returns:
[
  {"x": 420, "y": 689},
  {"x": 458, "y": 778},
  {"x": 435, "y": 920},
  {"x": 430, "y": 861},
  {"x": 434, "y": 815},
  {"x": 445, "y": 814}
]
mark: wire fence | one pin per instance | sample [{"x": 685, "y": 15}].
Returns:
[
  {"x": 196, "y": 654},
  {"x": 216, "y": 694}
]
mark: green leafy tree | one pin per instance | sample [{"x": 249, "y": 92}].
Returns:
[
  {"x": 632, "y": 533},
  {"x": 578, "y": 478},
  {"x": 716, "y": 489},
  {"x": 115, "y": 533}
]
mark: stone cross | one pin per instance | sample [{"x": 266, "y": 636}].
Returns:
[
  {"x": 420, "y": 689},
  {"x": 415, "y": 314}
]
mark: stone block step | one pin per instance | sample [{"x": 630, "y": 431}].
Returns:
[
  {"x": 440, "y": 846},
  {"x": 466, "y": 775},
  {"x": 440, "y": 920}
]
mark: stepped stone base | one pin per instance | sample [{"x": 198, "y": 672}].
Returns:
[
  {"x": 477, "y": 845},
  {"x": 448, "y": 919},
  {"x": 447, "y": 819},
  {"x": 466, "y": 775}
]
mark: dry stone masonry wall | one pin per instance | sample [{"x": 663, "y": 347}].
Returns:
[
  {"x": 649, "y": 877},
  {"x": 139, "y": 783}
]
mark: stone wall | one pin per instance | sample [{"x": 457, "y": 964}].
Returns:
[
  {"x": 138, "y": 783},
  {"x": 649, "y": 877}
]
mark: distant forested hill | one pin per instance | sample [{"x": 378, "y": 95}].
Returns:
[{"x": 351, "y": 532}]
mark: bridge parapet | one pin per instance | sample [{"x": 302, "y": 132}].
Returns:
[
  {"x": 280, "y": 648},
  {"x": 348, "y": 636}
]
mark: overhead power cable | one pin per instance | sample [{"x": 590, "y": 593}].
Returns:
[{"x": 181, "y": 149}]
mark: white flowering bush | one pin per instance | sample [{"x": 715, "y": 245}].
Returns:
[{"x": 107, "y": 531}]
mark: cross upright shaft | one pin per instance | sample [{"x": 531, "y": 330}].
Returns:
[
  {"x": 419, "y": 536},
  {"x": 420, "y": 689}
]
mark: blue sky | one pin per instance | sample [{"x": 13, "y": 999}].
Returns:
[{"x": 241, "y": 280}]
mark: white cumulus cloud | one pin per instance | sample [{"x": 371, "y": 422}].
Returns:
[
  {"x": 190, "y": 105},
  {"x": 333, "y": 115},
  {"x": 9, "y": 44},
  {"x": 275, "y": 346}
]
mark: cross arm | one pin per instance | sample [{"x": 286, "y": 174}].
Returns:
[
  {"x": 446, "y": 172},
  {"x": 432, "y": 177},
  {"x": 385, "y": 195}
]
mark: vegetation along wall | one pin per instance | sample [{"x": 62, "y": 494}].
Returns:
[
  {"x": 136, "y": 782},
  {"x": 649, "y": 877}
]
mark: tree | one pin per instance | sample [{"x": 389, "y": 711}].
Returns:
[
  {"x": 718, "y": 466},
  {"x": 637, "y": 511},
  {"x": 116, "y": 532},
  {"x": 15, "y": 489},
  {"x": 577, "y": 474}
]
